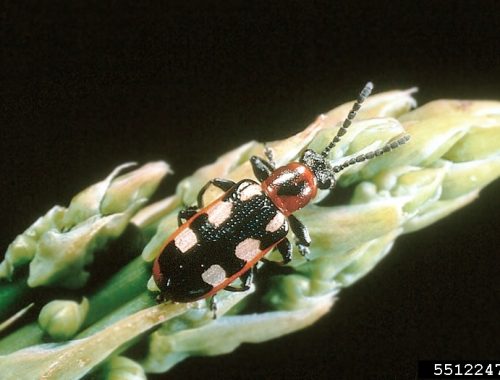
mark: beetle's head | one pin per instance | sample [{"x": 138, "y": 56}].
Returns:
[{"x": 321, "y": 168}]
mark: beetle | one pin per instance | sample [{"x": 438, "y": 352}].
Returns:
[{"x": 216, "y": 244}]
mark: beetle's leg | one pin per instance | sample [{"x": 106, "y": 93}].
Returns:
[
  {"x": 300, "y": 231},
  {"x": 302, "y": 234},
  {"x": 246, "y": 279},
  {"x": 212, "y": 305},
  {"x": 261, "y": 168},
  {"x": 223, "y": 184},
  {"x": 186, "y": 214},
  {"x": 161, "y": 298},
  {"x": 285, "y": 249},
  {"x": 270, "y": 156}
]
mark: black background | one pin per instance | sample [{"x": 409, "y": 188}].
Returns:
[{"x": 87, "y": 86}]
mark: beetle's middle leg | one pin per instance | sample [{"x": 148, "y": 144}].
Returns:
[
  {"x": 246, "y": 279},
  {"x": 187, "y": 213},
  {"x": 285, "y": 249},
  {"x": 221, "y": 183}
]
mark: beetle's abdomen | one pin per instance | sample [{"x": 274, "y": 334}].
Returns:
[{"x": 219, "y": 243}]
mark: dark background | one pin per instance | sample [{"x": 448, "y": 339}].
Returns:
[{"x": 88, "y": 86}]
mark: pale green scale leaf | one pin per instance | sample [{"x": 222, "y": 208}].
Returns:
[
  {"x": 59, "y": 245},
  {"x": 74, "y": 359},
  {"x": 131, "y": 187},
  {"x": 88, "y": 202},
  {"x": 22, "y": 250},
  {"x": 122, "y": 368},
  {"x": 157, "y": 242},
  {"x": 480, "y": 142},
  {"x": 61, "y": 319},
  {"x": 225, "y": 334},
  {"x": 466, "y": 177},
  {"x": 62, "y": 256},
  {"x": 366, "y": 257}
]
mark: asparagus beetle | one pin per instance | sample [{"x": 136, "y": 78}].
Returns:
[{"x": 221, "y": 242}]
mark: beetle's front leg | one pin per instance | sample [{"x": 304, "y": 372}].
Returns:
[
  {"x": 302, "y": 234},
  {"x": 270, "y": 156},
  {"x": 261, "y": 168}
]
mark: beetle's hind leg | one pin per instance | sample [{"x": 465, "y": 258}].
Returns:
[
  {"x": 212, "y": 305},
  {"x": 246, "y": 279},
  {"x": 185, "y": 214},
  {"x": 160, "y": 298}
]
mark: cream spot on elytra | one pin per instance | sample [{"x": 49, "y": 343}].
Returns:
[
  {"x": 275, "y": 223},
  {"x": 220, "y": 213},
  {"x": 248, "y": 249},
  {"x": 250, "y": 191},
  {"x": 215, "y": 275},
  {"x": 186, "y": 240}
]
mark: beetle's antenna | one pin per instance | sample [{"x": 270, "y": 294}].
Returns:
[
  {"x": 391, "y": 145},
  {"x": 350, "y": 117}
]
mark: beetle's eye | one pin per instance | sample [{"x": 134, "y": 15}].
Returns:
[{"x": 325, "y": 184}]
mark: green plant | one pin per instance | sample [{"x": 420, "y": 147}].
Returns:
[{"x": 452, "y": 155}]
